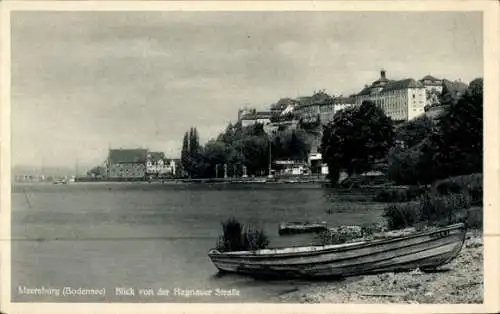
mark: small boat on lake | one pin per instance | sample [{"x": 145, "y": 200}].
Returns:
[
  {"x": 301, "y": 227},
  {"x": 425, "y": 250}
]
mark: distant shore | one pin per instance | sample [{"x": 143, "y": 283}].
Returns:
[
  {"x": 460, "y": 281},
  {"x": 253, "y": 180}
]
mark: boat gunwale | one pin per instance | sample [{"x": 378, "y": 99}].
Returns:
[{"x": 335, "y": 247}]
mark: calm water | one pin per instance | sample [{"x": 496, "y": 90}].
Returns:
[{"x": 155, "y": 236}]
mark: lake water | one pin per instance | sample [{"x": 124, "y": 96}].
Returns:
[{"x": 152, "y": 236}]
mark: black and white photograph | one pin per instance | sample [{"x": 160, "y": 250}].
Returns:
[{"x": 246, "y": 156}]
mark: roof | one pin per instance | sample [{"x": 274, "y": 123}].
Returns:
[
  {"x": 263, "y": 113},
  {"x": 257, "y": 115},
  {"x": 343, "y": 100},
  {"x": 430, "y": 78},
  {"x": 402, "y": 84},
  {"x": 365, "y": 91},
  {"x": 380, "y": 82},
  {"x": 248, "y": 116},
  {"x": 138, "y": 155},
  {"x": 155, "y": 156},
  {"x": 317, "y": 99},
  {"x": 283, "y": 103}
]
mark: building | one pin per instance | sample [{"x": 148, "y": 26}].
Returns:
[
  {"x": 242, "y": 112},
  {"x": 284, "y": 106},
  {"x": 156, "y": 163},
  {"x": 433, "y": 89},
  {"x": 290, "y": 167},
  {"x": 328, "y": 110},
  {"x": 308, "y": 110},
  {"x": 254, "y": 117},
  {"x": 126, "y": 163},
  {"x": 401, "y": 100}
]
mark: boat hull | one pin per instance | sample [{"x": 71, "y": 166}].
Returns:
[{"x": 425, "y": 250}]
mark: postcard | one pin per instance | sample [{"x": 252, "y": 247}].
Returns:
[{"x": 288, "y": 157}]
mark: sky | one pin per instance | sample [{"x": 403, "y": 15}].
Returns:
[{"x": 83, "y": 82}]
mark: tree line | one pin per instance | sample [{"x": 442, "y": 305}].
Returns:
[{"x": 241, "y": 149}]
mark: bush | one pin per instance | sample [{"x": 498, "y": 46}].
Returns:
[
  {"x": 474, "y": 218},
  {"x": 471, "y": 184},
  {"x": 443, "y": 209},
  {"x": 238, "y": 237},
  {"x": 341, "y": 234},
  {"x": 391, "y": 195},
  {"x": 448, "y": 187},
  {"x": 402, "y": 216},
  {"x": 254, "y": 239},
  {"x": 369, "y": 229},
  {"x": 231, "y": 238}
]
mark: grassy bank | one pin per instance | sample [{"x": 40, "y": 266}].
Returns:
[{"x": 457, "y": 199}]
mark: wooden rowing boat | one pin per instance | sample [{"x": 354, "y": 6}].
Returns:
[
  {"x": 301, "y": 227},
  {"x": 424, "y": 250}
]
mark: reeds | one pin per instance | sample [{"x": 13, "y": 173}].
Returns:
[{"x": 239, "y": 237}]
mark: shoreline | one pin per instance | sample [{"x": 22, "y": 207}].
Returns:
[{"x": 460, "y": 281}]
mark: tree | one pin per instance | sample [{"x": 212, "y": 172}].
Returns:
[
  {"x": 185, "y": 158},
  {"x": 414, "y": 131},
  {"x": 256, "y": 154},
  {"x": 356, "y": 139},
  {"x": 459, "y": 142},
  {"x": 298, "y": 148},
  {"x": 97, "y": 171},
  {"x": 432, "y": 96},
  {"x": 453, "y": 146}
]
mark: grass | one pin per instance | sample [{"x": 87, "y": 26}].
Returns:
[{"x": 239, "y": 237}]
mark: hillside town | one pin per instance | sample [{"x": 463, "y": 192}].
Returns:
[{"x": 401, "y": 99}]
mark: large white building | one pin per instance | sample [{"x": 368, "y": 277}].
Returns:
[{"x": 401, "y": 100}]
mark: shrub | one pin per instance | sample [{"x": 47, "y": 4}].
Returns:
[
  {"x": 369, "y": 229},
  {"x": 448, "y": 187},
  {"x": 391, "y": 195},
  {"x": 474, "y": 218},
  {"x": 238, "y": 237},
  {"x": 254, "y": 239},
  {"x": 443, "y": 209},
  {"x": 471, "y": 184},
  {"x": 231, "y": 239},
  {"x": 329, "y": 237},
  {"x": 341, "y": 234},
  {"x": 402, "y": 216}
]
